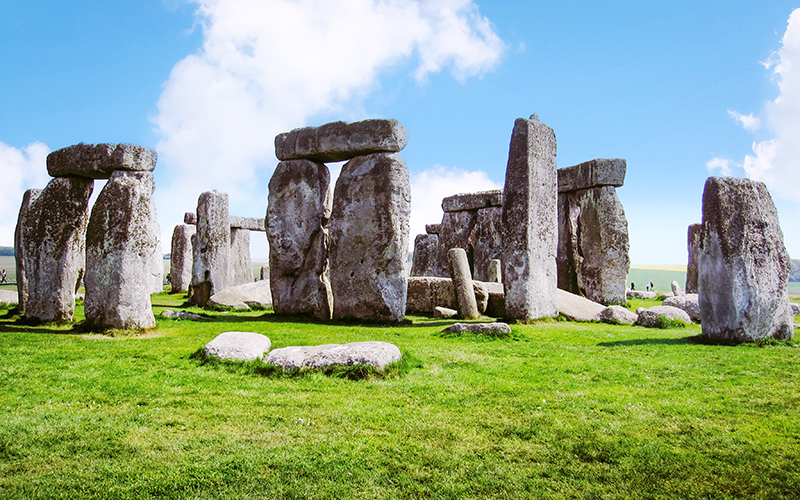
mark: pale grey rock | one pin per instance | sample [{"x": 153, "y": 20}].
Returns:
[
  {"x": 593, "y": 173},
  {"x": 457, "y": 230},
  {"x": 20, "y": 234},
  {"x": 676, "y": 288},
  {"x": 577, "y": 308},
  {"x": 473, "y": 201},
  {"x": 694, "y": 238},
  {"x": 369, "y": 233},
  {"x": 496, "y": 303},
  {"x": 240, "y": 264},
  {"x": 495, "y": 272},
  {"x": 339, "y": 141},
  {"x": 795, "y": 307},
  {"x": 248, "y": 223},
  {"x": 54, "y": 243},
  {"x": 156, "y": 259},
  {"x": 426, "y": 293},
  {"x": 426, "y": 247},
  {"x": 479, "y": 328},
  {"x": 8, "y": 297},
  {"x": 665, "y": 295},
  {"x": 648, "y": 318},
  {"x": 530, "y": 222},
  {"x": 444, "y": 312},
  {"x": 244, "y": 296},
  {"x": 180, "y": 270},
  {"x": 481, "y": 292},
  {"x": 238, "y": 346},
  {"x": 378, "y": 354},
  {"x": 433, "y": 228},
  {"x": 488, "y": 242},
  {"x": 462, "y": 281},
  {"x": 212, "y": 248},
  {"x": 120, "y": 242},
  {"x": 298, "y": 240},
  {"x": 743, "y": 266},
  {"x": 690, "y": 303},
  {"x": 99, "y": 161},
  {"x": 638, "y": 294},
  {"x": 167, "y": 313},
  {"x": 264, "y": 276},
  {"x": 617, "y": 315}
]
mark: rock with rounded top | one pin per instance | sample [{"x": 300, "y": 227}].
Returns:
[
  {"x": 577, "y": 308},
  {"x": 689, "y": 302},
  {"x": 212, "y": 247},
  {"x": 167, "y": 313},
  {"x": 99, "y": 161},
  {"x": 444, "y": 312},
  {"x": 180, "y": 272},
  {"x": 676, "y": 289},
  {"x": 238, "y": 346},
  {"x": 377, "y": 354},
  {"x": 478, "y": 328},
  {"x": 339, "y": 141},
  {"x": 251, "y": 294},
  {"x": 617, "y": 315},
  {"x": 649, "y": 317},
  {"x": 462, "y": 281}
]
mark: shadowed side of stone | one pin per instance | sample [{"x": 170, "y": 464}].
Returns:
[{"x": 24, "y": 225}]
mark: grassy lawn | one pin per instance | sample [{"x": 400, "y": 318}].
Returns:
[{"x": 562, "y": 410}]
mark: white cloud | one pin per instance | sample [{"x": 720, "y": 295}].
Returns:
[
  {"x": 749, "y": 122},
  {"x": 722, "y": 165},
  {"x": 20, "y": 169}
]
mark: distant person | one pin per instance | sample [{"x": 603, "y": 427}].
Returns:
[
  {"x": 647, "y": 287},
  {"x": 3, "y": 276},
  {"x": 633, "y": 285}
]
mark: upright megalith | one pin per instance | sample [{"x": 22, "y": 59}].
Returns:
[
  {"x": 369, "y": 233},
  {"x": 694, "y": 239},
  {"x": 530, "y": 222},
  {"x": 54, "y": 243},
  {"x": 297, "y": 213},
  {"x": 488, "y": 241},
  {"x": 425, "y": 253},
  {"x": 24, "y": 224},
  {"x": 210, "y": 266},
  {"x": 241, "y": 264},
  {"x": 121, "y": 240},
  {"x": 743, "y": 266},
  {"x": 180, "y": 272}
]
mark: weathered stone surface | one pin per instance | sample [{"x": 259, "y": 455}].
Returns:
[
  {"x": 496, "y": 303},
  {"x": 690, "y": 303},
  {"x": 8, "y": 297},
  {"x": 20, "y": 233},
  {"x": 378, "y": 354},
  {"x": 638, "y": 294},
  {"x": 479, "y": 328},
  {"x": 369, "y": 233},
  {"x": 488, "y": 242},
  {"x": 676, "y": 288},
  {"x": 495, "y": 271},
  {"x": 253, "y": 293},
  {"x": 617, "y": 315},
  {"x": 462, "y": 282},
  {"x": 795, "y": 307},
  {"x": 426, "y": 247},
  {"x": 180, "y": 270},
  {"x": 433, "y": 228},
  {"x": 54, "y": 243},
  {"x": 593, "y": 245},
  {"x": 249, "y": 223},
  {"x": 264, "y": 276},
  {"x": 156, "y": 259},
  {"x": 444, "y": 312},
  {"x": 457, "y": 230},
  {"x": 99, "y": 161},
  {"x": 182, "y": 315},
  {"x": 648, "y": 318},
  {"x": 473, "y": 201},
  {"x": 577, "y": 308},
  {"x": 240, "y": 264},
  {"x": 238, "y": 346},
  {"x": 298, "y": 240},
  {"x": 743, "y": 266},
  {"x": 426, "y": 293},
  {"x": 593, "y": 173},
  {"x": 212, "y": 248},
  {"x": 694, "y": 241},
  {"x": 339, "y": 141},
  {"x": 120, "y": 242},
  {"x": 530, "y": 222},
  {"x": 190, "y": 218}
]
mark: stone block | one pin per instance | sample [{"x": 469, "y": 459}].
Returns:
[
  {"x": 99, "y": 161},
  {"x": 433, "y": 228},
  {"x": 249, "y": 223},
  {"x": 473, "y": 201},
  {"x": 240, "y": 264},
  {"x": 488, "y": 242},
  {"x": 180, "y": 271},
  {"x": 377, "y": 354},
  {"x": 212, "y": 248},
  {"x": 339, "y": 141},
  {"x": 590, "y": 174},
  {"x": 462, "y": 282},
  {"x": 694, "y": 238},
  {"x": 23, "y": 227},
  {"x": 426, "y": 247}
]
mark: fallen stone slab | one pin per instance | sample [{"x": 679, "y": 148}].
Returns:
[
  {"x": 339, "y": 141},
  {"x": 649, "y": 317},
  {"x": 479, "y": 328},
  {"x": 690, "y": 303},
  {"x": 238, "y": 346},
  {"x": 9, "y": 297},
  {"x": 444, "y": 312},
  {"x": 577, "y": 308},
  {"x": 593, "y": 173},
  {"x": 377, "y": 354},
  {"x": 636, "y": 294},
  {"x": 618, "y": 315},
  {"x": 256, "y": 293},
  {"x": 99, "y": 161},
  {"x": 181, "y": 315},
  {"x": 473, "y": 201}
]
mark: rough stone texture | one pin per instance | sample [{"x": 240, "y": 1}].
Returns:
[
  {"x": 473, "y": 201},
  {"x": 577, "y": 308},
  {"x": 182, "y": 315},
  {"x": 240, "y": 264},
  {"x": 638, "y": 294},
  {"x": 593, "y": 173},
  {"x": 694, "y": 239},
  {"x": 120, "y": 242},
  {"x": 690, "y": 303},
  {"x": 530, "y": 222},
  {"x": 340, "y": 141},
  {"x": 238, "y": 346},
  {"x": 457, "y": 230},
  {"x": 444, "y": 312},
  {"x": 369, "y": 231},
  {"x": 212, "y": 248},
  {"x": 156, "y": 259},
  {"x": 426, "y": 247},
  {"x": 676, "y": 288},
  {"x": 23, "y": 225},
  {"x": 496, "y": 303},
  {"x": 426, "y": 293},
  {"x": 433, "y": 228},
  {"x": 378, "y": 354},
  {"x": 795, "y": 307},
  {"x": 54, "y": 244},
  {"x": 8, "y": 297},
  {"x": 298, "y": 241},
  {"x": 479, "y": 328},
  {"x": 100, "y": 161},
  {"x": 180, "y": 266},
  {"x": 495, "y": 271},
  {"x": 190, "y": 218},
  {"x": 253, "y": 293},
  {"x": 648, "y": 318},
  {"x": 264, "y": 276},
  {"x": 617, "y": 315},
  {"x": 249, "y": 223},
  {"x": 488, "y": 242},
  {"x": 462, "y": 281},
  {"x": 743, "y": 266},
  {"x": 593, "y": 245}
]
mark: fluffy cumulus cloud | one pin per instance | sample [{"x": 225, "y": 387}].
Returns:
[
  {"x": 20, "y": 169},
  {"x": 268, "y": 66}
]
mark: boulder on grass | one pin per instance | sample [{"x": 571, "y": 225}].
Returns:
[
  {"x": 649, "y": 318},
  {"x": 377, "y": 354},
  {"x": 577, "y": 308},
  {"x": 689, "y": 302},
  {"x": 244, "y": 296},
  {"x": 181, "y": 315},
  {"x": 9, "y": 297},
  {"x": 617, "y": 315},
  {"x": 444, "y": 312},
  {"x": 479, "y": 328},
  {"x": 636, "y": 294},
  {"x": 238, "y": 346}
]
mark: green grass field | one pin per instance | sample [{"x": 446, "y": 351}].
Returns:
[{"x": 561, "y": 410}]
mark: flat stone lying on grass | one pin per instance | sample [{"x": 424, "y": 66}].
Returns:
[
  {"x": 690, "y": 303},
  {"x": 444, "y": 312},
  {"x": 256, "y": 293},
  {"x": 617, "y": 315},
  {"x": 649, "y": 317},
  {"x": 577, "y": 308},
  {"x": 238, "y": 346},
  {"x": 377, "y": 354},
  {"x": 180, "y": 315},
  {"x": 9, "y": 297},
  {"x": 636, "y": 294},
  {"x": 480, "y": 328}
]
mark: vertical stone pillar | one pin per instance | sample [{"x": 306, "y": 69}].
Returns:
[
  {"x": 457, "y": 230},
  {"x": 425, "y": 253},
  {"x": 495, "y": 272},
  {"x": 530, "y": 222},
  {"x": 694, "y": 239},
  {"x": 488, "y": 241},
  {"x": 462, "y": 283},
  {"x": 210, "y": 268},
  {"x": 24, "y": 225},
  {"x": 241, "y": 265},
  {"x": 180, "y": 271}
]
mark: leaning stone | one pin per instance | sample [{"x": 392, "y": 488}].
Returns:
[
  {"x": 253, "y": 293},
  {"x": 459, "y": 273},
  {"x": 473, "y": 201},
  {"x": 20, "y": 234},
  {"x": 648, "y": 318},
  {"x": 181, "y": 315},
  {"x": 100, "y": 161},
  {"x": 479, "y": 328},
  {"x": 444, "y": 312},
  {"x": 238, "y": 346},
  {"x": 339, "y": 141},
  {"x": 487, "y": 242},
  {"x": 690, "y": 303},
  {"x": 249, "y": 223},
  {"x": 694, "y": 239},
  {"x": 676, "y": 288},
  {"x": 369, "y": 232},
  {"x": 638, "y": 294},
  {"x": 54, "y": 242},
  {"x": 212, "y": 248},
  {"x": 240, "y": 264},
  {"x": 433, "y": 228},
  {"x": 743, "y": 266},
  {"x": 120, "y": 242},
  {"x": 530, "y": 222},
  {"x": 617, "y": 315},
  {"x": 9, "y": 297},
  {"x": 377, "y": 354},
  {"x": 577, "y": 308},
  {"x": 425, "y": 253},
  {"x": 593, "y": 173},
  {"x": 180, "y": 271}
]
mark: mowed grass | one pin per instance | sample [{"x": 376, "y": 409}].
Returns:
[{"x": 562, "y": 410}]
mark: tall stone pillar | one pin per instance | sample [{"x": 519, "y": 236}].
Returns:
[
  {"x": 694, "y": 237},
  {"x": 241, "y": 264},
  {"x": 180, "y": 273},
  {"x": 210, "y": 268},
  {"x": 24, "y": 225}
]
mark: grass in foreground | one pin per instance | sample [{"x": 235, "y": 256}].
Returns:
[{"x": 563, "y": 410}]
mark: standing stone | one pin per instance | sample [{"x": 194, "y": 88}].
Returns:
[
  {"x": 54, "y": 243},
  {"x": 20, "y": 235},
  {"x": 426, "y": 247},
  {"x": 210, "y": 267},
  {"x": 462, "y": 281},
  {"x": 120, "y": 242},
  {"x": 457, "y": 230},
  {"x": 530, "y": 222},
  {"x": 495, "y": 271},
  {"x": 241, "y": 265},
  {"x": 676, "y": 289},
  {"x": 180, "y": 271},
  {"x": 694, "y": 240},
  {"x": 264, "y": 273},
  {"x": 297, "y": 213},
  {"x": 743, "y": 266},
  {"x": 157, "y": 260},
  {"x": 488, "y": 244},
  {"x": 369, "y": 231}
]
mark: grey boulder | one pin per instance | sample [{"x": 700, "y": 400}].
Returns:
[
  {"x": 377, "y": 354},
  {"x": 238, "y": 346},
  {"x": 478, "y": 328},
  {"x": 690, "y": 303},
  {"x": 577, "y": 308},
  {"x": 255, "y": 293},
  {"x": 649, "y": 318},
  {"x": 617, "y": 315}
]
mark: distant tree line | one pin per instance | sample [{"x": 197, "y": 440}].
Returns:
[
  {"x": 6, "y": 251},
  {"x": 794, "y": 274}
]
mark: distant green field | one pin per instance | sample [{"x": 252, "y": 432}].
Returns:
[{"x": 661, "y": 279}]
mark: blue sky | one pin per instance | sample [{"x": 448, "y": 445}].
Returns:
[{"x": 675, "y": 88}]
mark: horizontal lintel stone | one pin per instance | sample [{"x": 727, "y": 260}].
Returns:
[
  {"x": 593, "y": 173},
  {"x": 473, "y": 201},
  {"x": 250, "y": 223},
  {"x": 99, "y": 161},
  {"x": 433, "y": 228}
]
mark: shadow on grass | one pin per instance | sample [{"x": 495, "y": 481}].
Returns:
[{"x": 694, "y": 339}]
